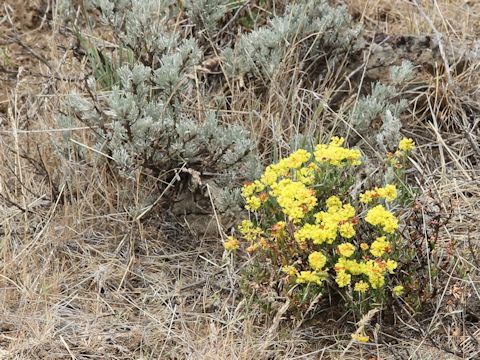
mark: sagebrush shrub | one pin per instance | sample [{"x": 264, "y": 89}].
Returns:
[
  {"x": 308, "y": 30},
  {"x": 150, "y": 105}
]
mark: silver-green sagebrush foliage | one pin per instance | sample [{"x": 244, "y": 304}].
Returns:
[
  {"x": 152, "y": 110},
  {"x": 141, "y": 129},
  {"x": 311, "y": 28}
]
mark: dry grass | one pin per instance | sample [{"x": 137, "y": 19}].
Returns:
[{"x": 82, "y": 279}]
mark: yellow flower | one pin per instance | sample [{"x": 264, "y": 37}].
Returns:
[
  {"x": 364, "y": 246},
  {"x": 290, "y": 270},
  {"x": 231, "y": 244},
  {"x": 379, "y": 246},
  {"x": 406, "y": 144},
  {"x": 347, "y": 230},
  {"x": 361, "y": 287},
  {"x": 249, "y": 231},
  {"x": 270, "y": 175},
  {"x": 296, "y": 159},
  {"x": 360, "y": 337},
  {"x": 389, "y": 192},
  {"x": 306, "y": 175},
  {"x": 398, "y": 290},
  {"x": 343, "y": 279},
  {"x": 317, "y": 233},
  {"x": 253, "y": 203},
  {"x": 252, "y": 248},
  {"x": 317, "y": 260},
  {"x": 335, "y": 154},
  {"x": 354, "y": 267},
  {"x": 346, "y": 249},
  {"x": 391, "y": 266},
  {"x": 310, "y": 277},
  {"x": 337, "y": 141},
  {"x": 379, "y": 216},
  {"x": 333, "y": 202},
  {"x": 248, "y": 190},
  {"x": 294, "y": 198},
  {"x": 374, "y": 271}
]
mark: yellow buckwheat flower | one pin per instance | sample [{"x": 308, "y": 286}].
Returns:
[
  {"x": 306, "y": 175},
  {"x": 335, "y": 154},
  {"x": 253, "y": 203},
  {"x": 249, "y": 231},
  {"x": 391, "y": 266},
  {"x": 231, "y": 244},
  {"x": 347, "y": 230},
  {"x": 310, "y": 277},
  {"x": 343, "y": 279},
  {"x": 379, "y": 216},
  {"x": 319, "y": 234},
  {"x": 406, "y": 144},
  {"x": 398, "y": 290},
  {"x": 294, "y": 198},
  {"x": 375, "y": 273},
  {"x": 297, "y": 159},
  {"x": 389, "y": 193},
  {"x": 290, "y": 270},
  {"x": 333, "y": 203},
  {"x": 346, "y": 249},
  {"x": 317, "y": 260},
  {"x": 360, "y": 337},
  {"x": 379, "y": 246},
  {"x": 361, "y": 287}
]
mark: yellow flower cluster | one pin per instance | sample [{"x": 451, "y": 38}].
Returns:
[
  {"x": 316, "y": 236},
  {"x": 311, "y": 277},
  {"x": 294, "y": 198},
  {"x": 337, "y": 218},
  {"x": 398, "y": 290},
  {"x": 317, "y": 260},
  {"x": 249, "y": 192},
  {"x": 290, "y": 270},
  {"x": 335, "y": 154},
  {"x": 343, "y": 278},
  {"x": 231, "y": 244},
  {"x": 379, "y": 216},
  {"x": 249, "y": 231},
  {"x": 389, "y": 193},
  {"x": 379, "y": 246},
  {"x": 306, "y": 175},
  {"x": 406, "y": 144},
  {"x": 346, "y": 249},
  {"x": 284, "y": 166},
  {"x": 360, "y": 337},
  {"x": 374, "y": 270},
  {"x": 361, "y": 287}
]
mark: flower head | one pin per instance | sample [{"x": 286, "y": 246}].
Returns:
[
  {"x": 231, "y": 244},
  {"x": 361, "y": 287},
  {"x": 379, "y": 216},
  {"x": 346, "y": 249},
  {"x": 379, "y": 246},
  {"x": 310, "y": 277},
  {"x": 406, "y": 144},
  {"x": 360, "y": 337},
  {"x": 398, "y": 290},
  {"x": 317, "y": 260},
  {"x": 343, "y": 279}
]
